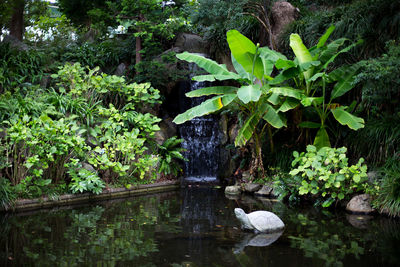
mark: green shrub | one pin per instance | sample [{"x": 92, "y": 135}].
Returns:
[
  {"x": 170, "y": 154},
  {"x": 324, "y": 174},
  {"x": 388, "y": 199},
  {"x": 83, "y": 180}
]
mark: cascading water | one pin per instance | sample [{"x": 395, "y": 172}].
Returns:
[{"x": 201, "y": 138}]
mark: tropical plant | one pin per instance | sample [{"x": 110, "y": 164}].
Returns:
[
  {"x": 309, "y": 72},
  {"x": 388, "y": 199},
  {"x": 260, "y": 104},
  {"x": 170, "y": 152},
  {"x": 83, "y": 180},
  {"x": 326, "y": 175}
]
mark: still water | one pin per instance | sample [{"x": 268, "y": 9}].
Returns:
[{"x": 193, "y": 227}]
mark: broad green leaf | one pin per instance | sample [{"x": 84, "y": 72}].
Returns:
[
  {"x": 316, "y": 76},
  {"x": 331, "y": 50},
  {"x": 247, "y": 130},
  {"x": 344, "y": 50},
  {"x": 308, "y": 65},
  {"x": 308, "y": 101},
  {"x": 244, "y": 51},
  {"x": 310, "y": 124},
  {"x": 239, "y": 69},
  {"x": 207, "y": 107},
  {"x": 209, "y": 65},
  {"x": 285, "y": 75},
  {"x": 287, "y": 91},
  {"x": 272, "y": 117},
  {"x": 322, "y": 139},
  {"x": 290, "y": 103},
  {"x": 249, "y": 93},
  {"x": 274, "y": 99},
  {"x": 325, "y": 36},
  {"x": 284, "y": 64},
  {"x": 345, "y": 118},
  {"x": 212, "y": 78},
  {"x": 268, "y": 58},
  {"x": 301, "y": 52},
  {"x": 214, "y": 90},
  {"x": 345, "y": 77}
]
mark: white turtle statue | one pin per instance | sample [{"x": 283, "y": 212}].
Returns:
[{"x": 259, "y": 221}]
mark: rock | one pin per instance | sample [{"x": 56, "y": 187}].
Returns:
[
  {"x": 223, "y": 126},
  {"x": 259, "y": 221},
  {"x": 233, "y": 132},
  {"x": 15, "y": 43},
  {"x": 283, "y": 13},
  {"x": 256, "y": 240},
  {"x": 233, "y": 190},
  {"x": 88, "y": 167},
  {"x": 246, "y": 176},
  {"x": 360, "y": 204},
  {"x": 191, "y": 43},
  {"x": 251, "y": 188},
  {"x": 264, "y": 191},
  {"x": 121, "y": 69}
]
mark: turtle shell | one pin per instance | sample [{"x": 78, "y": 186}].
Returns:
[{"x": 265, "y": 221}]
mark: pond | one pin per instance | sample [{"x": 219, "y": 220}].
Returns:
[{"x": 193, "y": 227}]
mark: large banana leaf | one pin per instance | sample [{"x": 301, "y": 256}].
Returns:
[
  {"x": 290, "y": 103},
  {"x": 212, "y": 78},
  {"x": 322, "y": 139},
  {"x": 249, "y": 93},
  {"x": 239, "y": 69},
  {"x": 265, "y": 111},
  {"x": 272, "y": 117},
  {"x": 209, "y": 65},
  {"x": 325, "y": 36},
  {"x": 213, "y": 90},
  {"x": 244, "y": 51},
  {"x": 345, "y": 118},
  {"x": 332, "y": 58},
  {"x": 287, "y": 91},
  {"x": 301, "y": 52},
  {"x": 207, "y": 107},
  {"x": 247, "y": 130},
  {"x": 345, "y": 77},
  {"x": 308, "y": 101},
  {"x": 269, "y": 58}
]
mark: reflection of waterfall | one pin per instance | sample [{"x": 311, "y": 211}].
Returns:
[
  {"x": 198, "y": 218},
  {"x": 201, "y": 138}
]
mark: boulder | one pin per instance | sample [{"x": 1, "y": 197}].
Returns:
[
  {"x": 283, "y": 13},
  {"x": 360, "y": 204},
  {"x": 251, "y": 188},
  {"x": 191, "y": 43},
  {"x": 121, "y": 69},
  {"x": 88, "y": 167},
  {"x": 265, "y": 191},
  {"x": 233, "y": 190}
]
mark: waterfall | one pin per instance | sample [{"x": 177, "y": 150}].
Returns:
[{"x": 201, "y": 137}]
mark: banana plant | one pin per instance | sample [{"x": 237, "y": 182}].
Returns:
[
  {"x": 253, "y": 67},
  {"x": 309, "y": 71}
]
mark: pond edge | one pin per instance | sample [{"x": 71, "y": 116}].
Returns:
[{"x": 108, "y": 194}]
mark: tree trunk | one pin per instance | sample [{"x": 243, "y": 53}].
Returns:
[
  {"x": 138, "y": 49},
  {"x": 17, "y": 20}
]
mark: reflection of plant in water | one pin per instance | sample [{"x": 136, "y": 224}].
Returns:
[
  {"x": 328, "y": 240},
  {"x": 94, "y": 236}
]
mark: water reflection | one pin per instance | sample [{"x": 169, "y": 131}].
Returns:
[{"x": 194, "y": 227}]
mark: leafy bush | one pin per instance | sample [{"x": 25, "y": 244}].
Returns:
[
  {"x": 7, "y": 194},
  {"x": 325, "y": 174},
  {"x": 388, "y": 199},
  {"x": 20, "y": 66},
  {"x": 37, "y": 148},
  {"x": 170, "y": 152},
  {"x": 83, "y": 180}
]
